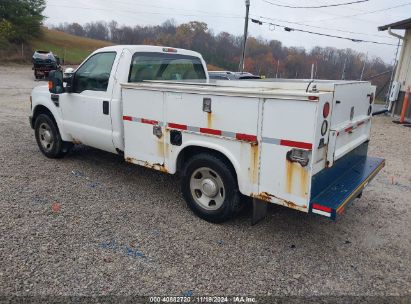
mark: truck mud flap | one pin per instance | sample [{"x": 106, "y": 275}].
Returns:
[
  {"x": 347, "y": 182},
  {"x": 259, "y": 211}
]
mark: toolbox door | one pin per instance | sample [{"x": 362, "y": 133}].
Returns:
[
  {"x": 351, "y": 119},
  {"x": 143, "y": 127}
]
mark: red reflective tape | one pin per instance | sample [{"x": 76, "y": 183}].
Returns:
[
  {"x": 210, "y": 131},
  {"x": 149, "y": 122},
  {"x": 128, "y": 118},
  {"x": 349, "y": 129},
  {"x": 322, "y": 208},
  {"x": 360, "y": 123},
  {"x": 246, "y": 137},
  {"x": 313, "y": 97},
  {"x": 177, "y": 126},
  {"x": 296, "y": 144}
]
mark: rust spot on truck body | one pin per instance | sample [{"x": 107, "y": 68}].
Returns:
[
  {"x": 254, "y": 162},
  {"x": 158, "y": 167},
  {"x": 292, "y": 205},
  {"x": 265, "y": 196},
  {"x": 209, "y": 120},
  {"x": 160, "y": 146},
  {"x": 129, "y": 160},
  {"x": 296, "y": 179}
]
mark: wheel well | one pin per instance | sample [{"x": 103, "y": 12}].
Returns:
[
  {"x": 190, "y": 151},
  {"x": 42, "y": 110}
]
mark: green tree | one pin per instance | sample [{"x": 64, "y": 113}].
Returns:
[{"x": 24, "y": 16}]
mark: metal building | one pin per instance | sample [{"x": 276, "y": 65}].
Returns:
[{"x": 402, "y": 78}]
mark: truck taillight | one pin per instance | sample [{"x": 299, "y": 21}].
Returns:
[
  {"x": 326, "y": 110},
  {"x": 169, "y": 50}
]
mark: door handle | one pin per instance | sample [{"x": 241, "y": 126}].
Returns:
[{"x": 106, "y": 107}]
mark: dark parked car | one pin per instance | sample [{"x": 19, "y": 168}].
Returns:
[
  {"x": 44, "y": 62},
  {"x": 227, "y": 75}
]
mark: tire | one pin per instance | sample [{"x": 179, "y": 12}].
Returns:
[
  {"x": 210, "y": 188},
  {"x": 48, "y": 137}
]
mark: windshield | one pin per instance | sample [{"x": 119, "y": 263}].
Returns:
[{"x": 157, "y": 66}]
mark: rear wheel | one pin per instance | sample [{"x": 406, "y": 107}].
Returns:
[
  {"x": 209, "y": 187},
  {"x": 48, "y": 138}
]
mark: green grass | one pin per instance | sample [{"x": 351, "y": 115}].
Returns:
[{"x": 73, "y": 49}]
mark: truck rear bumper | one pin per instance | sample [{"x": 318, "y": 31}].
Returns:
[{"x": 336, "y": 187}]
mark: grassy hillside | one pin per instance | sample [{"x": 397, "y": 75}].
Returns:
[{"x": 72, "y": 48}]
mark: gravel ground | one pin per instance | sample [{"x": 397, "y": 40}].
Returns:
[{"x": 90, "y": 224}]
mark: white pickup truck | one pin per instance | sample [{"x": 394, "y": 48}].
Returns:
[{"x": 301, "y": 144}]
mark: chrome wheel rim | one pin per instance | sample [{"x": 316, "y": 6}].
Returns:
[
  {"x": 207, "y": 188},
  {"x": 46, "y": 137}
]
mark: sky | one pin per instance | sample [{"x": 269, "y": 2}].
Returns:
[{"x": 228, "y": 16}]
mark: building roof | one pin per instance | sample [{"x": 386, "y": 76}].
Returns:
[{"x": 399, "y": 25}]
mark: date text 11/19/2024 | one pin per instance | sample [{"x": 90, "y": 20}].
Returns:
[{"x": 188, "y": 298}]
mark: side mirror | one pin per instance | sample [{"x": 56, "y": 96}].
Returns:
[
  {"x": 68, "y": 79},
  {"x": 56, "y": 82},
  {"x": 57, "y": 60},
  {"x": 69, "y": 71}
]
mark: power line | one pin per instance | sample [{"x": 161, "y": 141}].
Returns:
[
  {"x": 289, "y": 29},
  {"x": 328, "y": 28},
  {"x": 337, "y": 15},
  {"x": 142, "y": 12},
  {"x": 319, "y": 6},
  {"x": 153, "y": 6},
  {"x": 365, "y": 13}
]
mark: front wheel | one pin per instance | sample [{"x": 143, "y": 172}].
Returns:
[
  {"x": 48, "y": 138},
  {"x": 209, "y": 187}
]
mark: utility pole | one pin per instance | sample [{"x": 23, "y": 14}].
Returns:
[
  {"x": 242, "y": 62},
  {"x": 387, "y": 98},
  {"x": 363, "y": 67},
  {"x": 312, "y": 70},
  {"x": 343, "y": 72},
  {"x": 278, "y": 65}
]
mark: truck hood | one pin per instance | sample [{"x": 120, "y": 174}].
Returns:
[{"x": 41, "y": 90}]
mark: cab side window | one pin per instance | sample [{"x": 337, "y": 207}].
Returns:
[{"x": 94, "y": 74}]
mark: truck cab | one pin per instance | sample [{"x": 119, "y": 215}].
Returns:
[{"x": 89, "y": 111}]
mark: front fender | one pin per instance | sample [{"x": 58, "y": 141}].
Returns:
[{"x": 41, "y": 100}]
